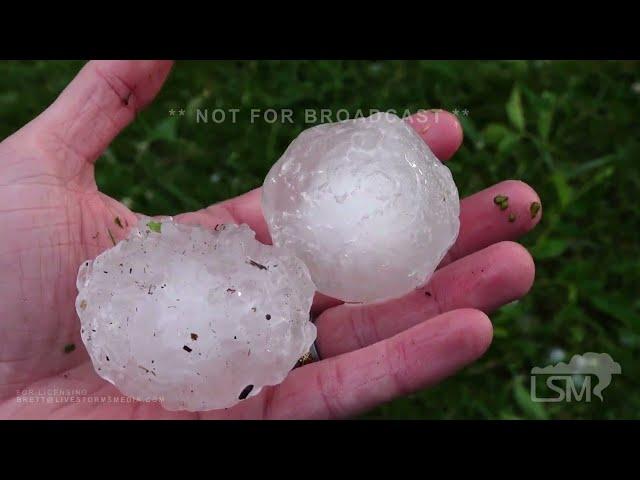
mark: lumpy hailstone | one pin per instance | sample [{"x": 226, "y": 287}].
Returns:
[
  {"x": 197, "y": 319},
  {"x": 365, "y": 204}
]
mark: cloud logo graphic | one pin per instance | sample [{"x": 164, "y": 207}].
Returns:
[{"x": 599, "y": 364}]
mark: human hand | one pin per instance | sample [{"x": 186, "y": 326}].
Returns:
[{"x": 52, "y": 218}]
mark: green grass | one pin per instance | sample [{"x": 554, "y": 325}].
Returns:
[{"x": 569, "y": 129}]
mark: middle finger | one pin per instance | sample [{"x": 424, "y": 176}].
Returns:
[{"x": 484, "y": 280}]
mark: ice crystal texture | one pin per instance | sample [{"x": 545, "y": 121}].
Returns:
[
  {"x": 195, "y": 318},
  {"x": 365, "y": 204}
]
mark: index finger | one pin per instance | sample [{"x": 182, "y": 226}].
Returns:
[{"x": 440, "y": 130}]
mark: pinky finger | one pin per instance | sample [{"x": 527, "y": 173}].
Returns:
[{"x": 358, "y": 381}]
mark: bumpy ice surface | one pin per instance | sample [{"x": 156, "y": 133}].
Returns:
[
  {"x": 197, "y": 319},
  {"x": 365, "y": 204}
]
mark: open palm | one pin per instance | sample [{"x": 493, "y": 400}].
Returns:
[{"x": 52, "y": 218}]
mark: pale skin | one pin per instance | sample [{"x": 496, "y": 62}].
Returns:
[{"x": 51, "y": 212}]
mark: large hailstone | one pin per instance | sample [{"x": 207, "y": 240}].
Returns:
[
  {"x": 197, "y": 319},
  {"x": 365, "y": 204}
]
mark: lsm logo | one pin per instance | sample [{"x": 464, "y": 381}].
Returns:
[{"x": 573, "y": 381}]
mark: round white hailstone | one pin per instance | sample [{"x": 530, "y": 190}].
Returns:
[
  {"x": 365, "y": 204},
  {"x": 196, "y": 319}
]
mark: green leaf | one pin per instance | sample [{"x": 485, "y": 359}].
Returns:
[
  {"x": 471, "y": 131},
  {"x": 590, "y": 165},
  {"x": 563, "y": 189},
  {"x": 500, "y": 332},
  {"x": 495, "y": 132},
  {"x": 545, "y": 115},
  {"x": 577, "y": 333},
  {"x": 523, "y": 399},
  {"x": 155, "y": 226},
  {"x": 515, "y": 111},
  {"x": 544, "y": 124},
  {"x": 597, "y": 179},
  {"x": 508, "y": 143},
  {"x": 165, "y": 130},
  {"x": 615, "y": 306},
  {"x": 549, "y": 248}
]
